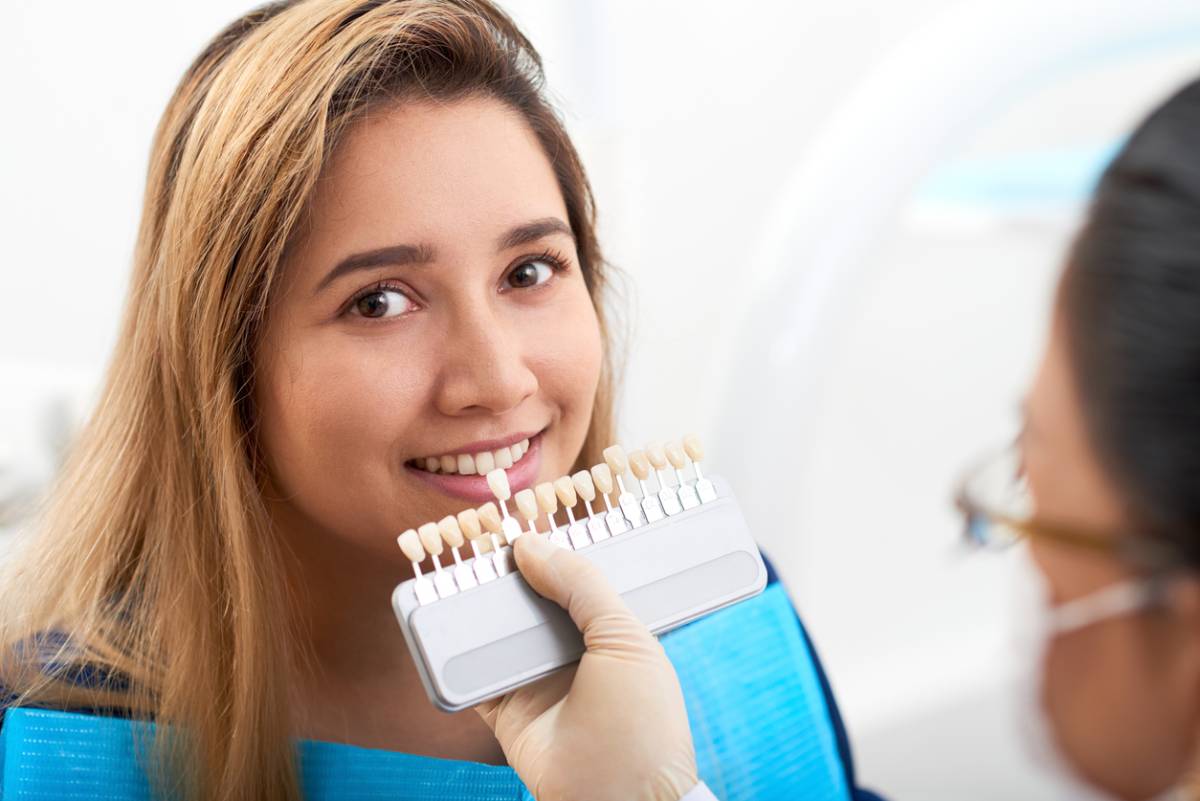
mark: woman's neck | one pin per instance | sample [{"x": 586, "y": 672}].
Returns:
[{"x": 359, "y": 684}]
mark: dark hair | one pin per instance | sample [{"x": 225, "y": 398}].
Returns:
[{"x": 1131, "y": 302}]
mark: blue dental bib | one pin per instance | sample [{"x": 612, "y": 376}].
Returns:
[{"x": 758, "y": 714}]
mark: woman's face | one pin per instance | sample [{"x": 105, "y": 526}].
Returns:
[
  {"x": 1122, "y": 695},
  {"x": 431, "y": 310}
]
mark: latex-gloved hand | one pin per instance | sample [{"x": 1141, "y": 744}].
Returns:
[{"x": 612, "y": 727}]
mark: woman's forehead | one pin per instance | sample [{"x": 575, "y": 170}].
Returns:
[
  {"x": 472, "y": 158},
  {"x": 454, "y": 177}
]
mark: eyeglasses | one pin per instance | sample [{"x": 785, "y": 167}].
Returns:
[{"x": 998, "y": 512}]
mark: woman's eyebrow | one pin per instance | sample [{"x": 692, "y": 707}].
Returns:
[
  {"x": 401, "y": 255},
  {"x": 532, "y": 231},
  {"x": 395, "y": 255}
]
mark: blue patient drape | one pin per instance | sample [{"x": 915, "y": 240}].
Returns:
[{"x": 762, "y": 720}]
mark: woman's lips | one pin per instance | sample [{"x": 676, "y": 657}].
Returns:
[{"x": 475, "y": 488}]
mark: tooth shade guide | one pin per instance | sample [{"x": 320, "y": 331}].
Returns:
[
  {"x": 481, "y": 567},
  {"x": 509, "y": 527},
  {"x": 464, "y": 575},
  {"x": 498, "y": 483},
  {"x": 657, "y": 456},
  {"x": 584, "y": 487},
  {"x": 527, "y": 507},
  {"x": 667, "y": 496},
  {"x": 602, "y": 478},
  {"x": 605, "y": 480},
  {"x": 684, "y": 492},
  {"x": 614, "y": 457},
  {"x": 640, "y": 465},
  {"x": 547, "y": 499},
  {"x": 468, "y": 523},
  {"x": 451, "y": 533},
  {"x": 577, "y": 534},
  {"x": 632, "y": 509},
  {"x": 675, "y": 455},
  {"x": 669, "y": 499},
  {"x": 431, "y": 538},
  {"x": 671, "y": 573},
  {"x": 411, "y": 547},
  {"x": 564, "y": 488},
  {"x": 618, "y": 463},
  {"x": 651, "y": 509},
  {"x": 489, "y": 516}
]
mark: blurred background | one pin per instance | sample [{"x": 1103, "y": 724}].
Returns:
[{"x": 840, "y": 224}]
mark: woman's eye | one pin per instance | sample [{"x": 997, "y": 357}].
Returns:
[
  {"x": 531, "y": 273},
  {"x": 383, "y": 303}
]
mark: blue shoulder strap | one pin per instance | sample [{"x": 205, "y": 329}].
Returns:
[{"x": 763, "y": 725}]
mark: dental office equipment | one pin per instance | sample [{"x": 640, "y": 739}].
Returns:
[{"x": 675, "y": 554}]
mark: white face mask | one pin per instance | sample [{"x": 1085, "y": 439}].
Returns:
[{"x": 1037, "y": 624}]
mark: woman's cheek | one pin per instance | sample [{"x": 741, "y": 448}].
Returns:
[
  {"x": 571, "y": 353},
  {"x": 337, "y": 408}
]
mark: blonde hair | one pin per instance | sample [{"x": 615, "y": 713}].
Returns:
[{"x": 156, "y": 557}]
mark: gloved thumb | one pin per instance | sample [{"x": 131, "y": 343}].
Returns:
[{"x": 579, "y": 587}]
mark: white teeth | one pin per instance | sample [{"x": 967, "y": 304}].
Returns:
[{"x": 469, "y": 464}]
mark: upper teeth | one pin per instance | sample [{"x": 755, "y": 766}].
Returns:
[{"x": 469, "y": 464}]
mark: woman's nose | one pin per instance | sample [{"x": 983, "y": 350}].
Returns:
[{"x": 485, "y": 367}]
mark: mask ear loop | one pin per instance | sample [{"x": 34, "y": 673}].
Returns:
[{"x": 1116, "y": 600}]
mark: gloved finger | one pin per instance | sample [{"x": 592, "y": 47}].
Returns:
[{"x": 579, "y": 587}]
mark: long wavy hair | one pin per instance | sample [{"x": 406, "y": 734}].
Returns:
[{"x": 155, "y": 565}]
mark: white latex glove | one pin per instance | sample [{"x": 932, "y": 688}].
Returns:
[{"x": 613, "y": 726}]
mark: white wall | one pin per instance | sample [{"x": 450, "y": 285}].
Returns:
[{"x": 689, "y": 117}]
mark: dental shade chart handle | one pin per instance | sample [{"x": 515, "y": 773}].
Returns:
[
  {"x": 587, "y": 490},
  {"x": 548, "y": 502},
  {"x": 666, "y": 495},
  {"x": 577, "y": 535},
  {"x": 498, "y": 482},
  {"x": 464, "y": 577},
  {"x": 431, "y": 538},
  {"x": 473, "y": 643},
  {"x": 472, "y": 529},
  {"x": 686, "y": 493},
  {"x": 695, "y": 454},
  {"x": 640, "y": 465},
  {"x": 502, "y": 559},
  {"x": 527, "y": 507},
  {"x": 410, "y": 546},
  {"x": 614, "y": 457},
  {"x": 613, "y": 518}
]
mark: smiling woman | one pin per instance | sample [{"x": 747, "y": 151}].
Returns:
[{"x": 367, "y": 271}]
